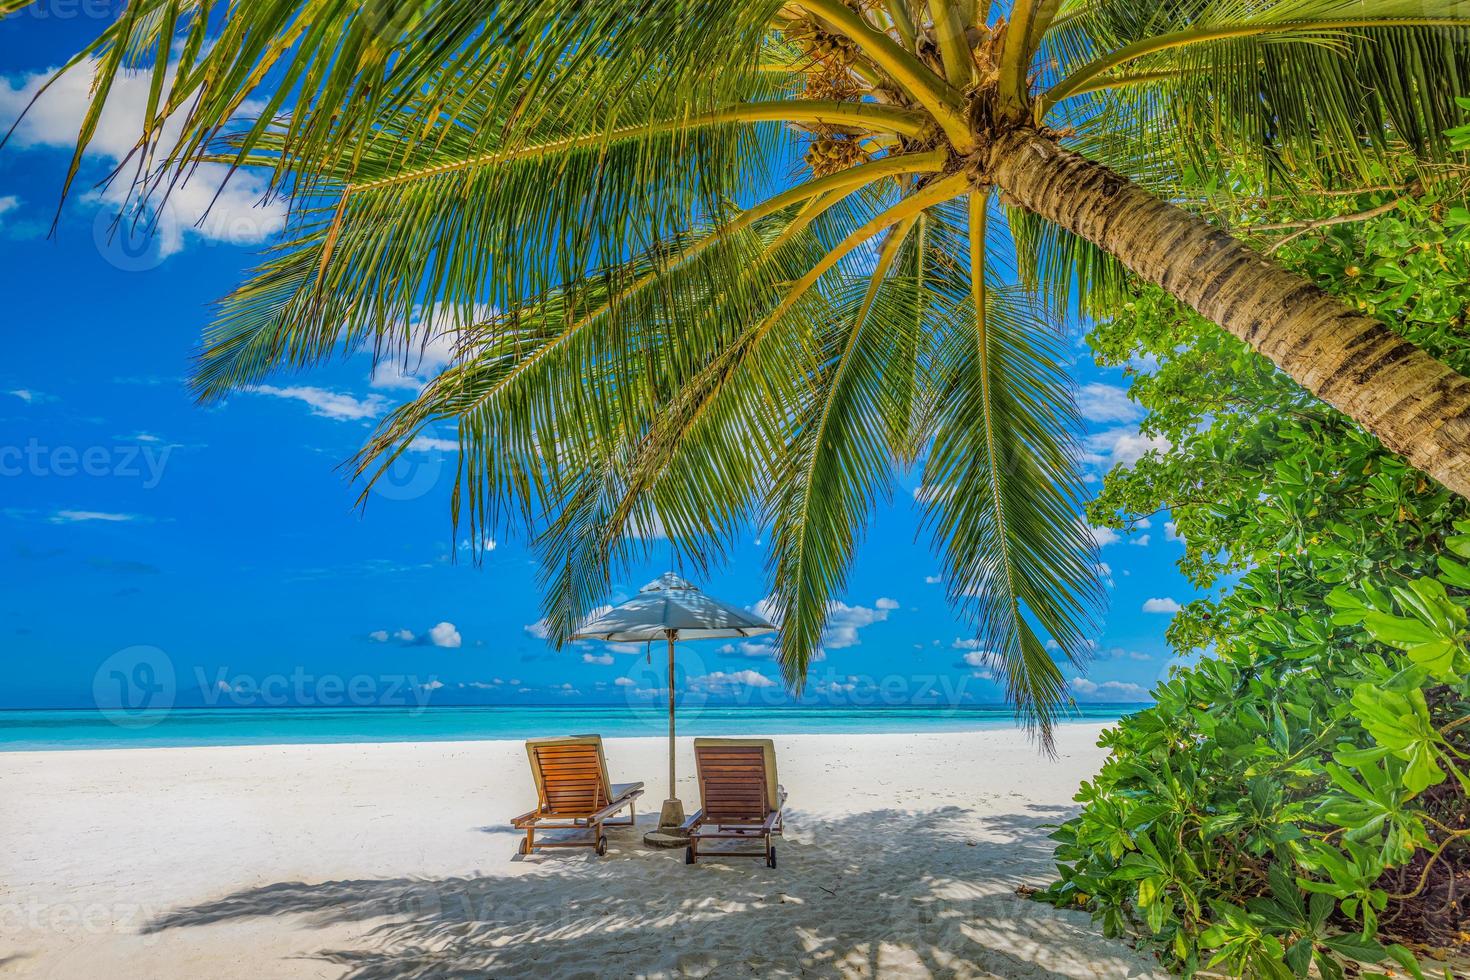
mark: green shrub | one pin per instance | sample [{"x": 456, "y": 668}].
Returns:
[
  {"x": 1296, "y": 803},
  {"x": 1291, "y": 802}
]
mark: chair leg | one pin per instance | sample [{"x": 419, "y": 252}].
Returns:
[{"x": 529, "y": 844}]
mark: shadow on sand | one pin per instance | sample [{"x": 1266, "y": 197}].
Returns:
[{"x": 872, "y": 893}]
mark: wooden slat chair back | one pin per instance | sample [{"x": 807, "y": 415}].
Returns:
[
  {"x": 739, "y": 796},
  {"x": 732, "y": 784},
  {"x": 570, "y": 779},
  {"x": 573, "y": 793}
]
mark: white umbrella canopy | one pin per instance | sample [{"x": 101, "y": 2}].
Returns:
[
  {"x": 671, "y": 603},
  {"x": 671, "y": 608}
]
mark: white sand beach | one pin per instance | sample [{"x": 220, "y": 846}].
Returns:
[{"x": 901, "y": 858}]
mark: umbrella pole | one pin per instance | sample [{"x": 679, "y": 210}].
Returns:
[
  {"x": 673, "y": 794},
  {"x": 670, "y": 831}
]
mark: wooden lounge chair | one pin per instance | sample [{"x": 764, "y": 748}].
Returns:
[
  {"x": 573, "y": 793},
  {"x": 740, "y": 796}
]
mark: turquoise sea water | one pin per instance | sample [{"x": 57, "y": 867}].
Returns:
[{"x": 37, "y": 729}]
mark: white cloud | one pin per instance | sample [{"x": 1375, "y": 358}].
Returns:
[
  {"x": 844, "y": 621},
  {"x": 432, "y": 444},
  {"x": 1105, "y": 403},
  {"x": 979, "y": 659},
  {"x": 754, "y": 649},
  {"x": 720, "y": 682},
  {"x": 432, "y": 685},
  {"x": 445, "y": 635},
  {"x": 1109, "y": 690},
  {"x": 1119, "y": 653},
  {"x": 597, "y": 658},
  {"x": 9, "y": 203},
  {"x": 201, "y": 206},
  {"x": 24, "y": 394},
  {"x": 441, "y": 323},
  {"x": 1171, "y": 532},
  {"x": 625, "y": 682},
  {"x": 1164, "y": 605},
  {"x": 55, "y": 118},
  {"x": 538, "y": 629},
  {"x": 966, "y": 643},
  {"x": 933, "y": 579},
  {"x": 80, "y": 516},
  {"x": 1103, "y": 536},
  {"x": 1141, "y": 541},
  {"x": 1104, "y": 573},
  {"x": 1124, "y": 446},
  {"x": 327, "y": 404}
]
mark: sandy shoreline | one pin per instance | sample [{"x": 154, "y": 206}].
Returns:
[{"x": 901, "y": 857}]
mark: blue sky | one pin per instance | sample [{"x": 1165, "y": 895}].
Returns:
[{"x": 223, "y": 542}]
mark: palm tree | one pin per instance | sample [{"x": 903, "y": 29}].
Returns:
[{"x": 666, "y": 326}]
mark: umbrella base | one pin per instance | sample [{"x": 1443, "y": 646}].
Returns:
[
  {"x": 672, "y": 815},
  {"x": 666, "y": 837},
  {"x": 670, "y": 832}
]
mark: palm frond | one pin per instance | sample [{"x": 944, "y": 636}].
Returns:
[
  {"x": 1322, "y": 89},
  {"x": 1001, "y": 496},
  {"x": 843, "y": 444}
]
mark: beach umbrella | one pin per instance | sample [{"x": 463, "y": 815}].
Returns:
[{"x": 670, "y": 608}]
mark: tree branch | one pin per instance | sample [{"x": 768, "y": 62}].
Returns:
[{"x": 1300, "y": 228}]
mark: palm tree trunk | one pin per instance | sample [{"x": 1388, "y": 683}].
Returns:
[{"x": 1414, "y": 404}]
